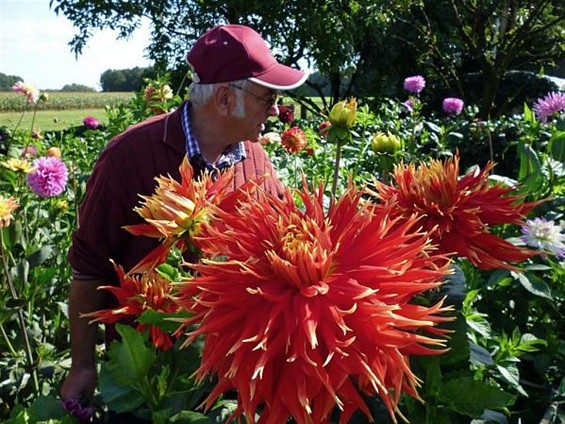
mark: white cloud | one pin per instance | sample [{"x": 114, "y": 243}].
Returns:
[{"x": 34, "y": 45}]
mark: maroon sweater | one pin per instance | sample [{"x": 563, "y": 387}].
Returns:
[{"x": 127, "y": 168}]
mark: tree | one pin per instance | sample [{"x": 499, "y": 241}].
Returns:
[
  {"x": 125, "y": 79},
  {"x": 488, "y": 39},
  {"x": 360, "y": 46},
  {"x": 333, "y": 36},
  {"x": 8, "y": 81},
  {"x": 77, "y": 88}
]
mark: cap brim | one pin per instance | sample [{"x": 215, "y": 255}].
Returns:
[{"x": 281, "y": 77}]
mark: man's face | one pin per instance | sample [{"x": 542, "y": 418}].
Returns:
[{"x": 258, "y": 104}]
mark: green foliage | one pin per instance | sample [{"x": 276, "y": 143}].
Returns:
[
  {"x": 34, "y": 281},
  {"x": 78, "y": 88},
  {"x": 135, "y": 379},
  {"x": 361, "y": 47},
  {"x": 131, "y": 80},
  {"x": 8, "y": 81},
  {"x": 506, "y": 345}
]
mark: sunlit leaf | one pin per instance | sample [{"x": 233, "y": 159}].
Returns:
[
  {"x": 533, "y": 284},
  {"x": 475, "y": 398}
]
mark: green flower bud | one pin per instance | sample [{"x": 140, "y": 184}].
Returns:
[
  {"x": 343, "y": 114},
  {"x": 385, "y": 143}
]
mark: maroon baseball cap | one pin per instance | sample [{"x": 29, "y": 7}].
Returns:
[{"x": 235, "y": 52}]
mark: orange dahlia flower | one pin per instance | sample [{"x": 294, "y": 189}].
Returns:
[
  {"x": 294, "y": 140},
  {"x": 137, "y": 294},
  {"x": 177, "y": 210},
  {"x": 309, "y": 310},
  {"x": 7, "y": 206},
  {"x": 459, "y": 212}
]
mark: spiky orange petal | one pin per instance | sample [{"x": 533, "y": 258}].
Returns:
[
  {"x": 308, "y": 310},
  {"x": 136, "y": 294},
  {"x": 459, "y": 212}
]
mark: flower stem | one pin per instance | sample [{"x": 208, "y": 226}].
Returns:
[
  {"x": 20, "y": 315},
  {"x": 31, "y": 129},
  {"x": 10, "y": 347},
  {"x": 20, "y": 121},
  {"x": 336, "y": 168}
]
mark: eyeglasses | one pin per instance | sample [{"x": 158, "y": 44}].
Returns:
[{"x": 269, "y": 100}]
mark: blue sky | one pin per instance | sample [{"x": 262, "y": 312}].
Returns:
[{"x": 34, "y": 45}]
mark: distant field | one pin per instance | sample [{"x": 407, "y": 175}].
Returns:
[
  {"x": 16, "y": 102},
  {"x": 50, "y": 120},
  {"x": 60, "y": 111}
]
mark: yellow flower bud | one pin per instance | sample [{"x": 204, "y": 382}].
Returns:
[
  {"x": 343, "y": 113},
  {"x": 54, "y": 152},
  {"x": 385, "y": 143},
  {"x": 62, "y": 205}
]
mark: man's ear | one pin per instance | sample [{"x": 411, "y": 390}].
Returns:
[{"x": 224, "y": 99}]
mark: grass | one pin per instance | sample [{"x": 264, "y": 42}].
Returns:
[
  {"x": 59, "y": 111},
  {"x": 50, "y": 120}
]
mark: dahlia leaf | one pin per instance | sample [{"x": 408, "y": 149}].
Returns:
[
  {"x": 529, "y": 115},
  {"x": 47, "y": 409},
  {"x": 511, "y": 375},
  {"x": 476, "y": 397},
  {"x": 533, "y": 284},
  {"x": 557, "y": 146},
  {"x": 118, "y": 396},
  {"x": 131, "y": 358},
  {"x": 40, "y": 256},
  {"x": 189, "y": 417},
  {"x": 530, "y": 174},
  {"x": 166, "y": 321},
  {"x": 480, "y": 356}
]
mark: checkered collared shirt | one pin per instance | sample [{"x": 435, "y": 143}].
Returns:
[{"x": 234, "y": 152}]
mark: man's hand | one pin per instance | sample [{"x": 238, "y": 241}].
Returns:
[{"x": 80, "y": 383}]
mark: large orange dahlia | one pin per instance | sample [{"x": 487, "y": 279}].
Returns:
[
  {"x": 308, "y": 310},
  {"x": 137, "y": 294},
  {"x": 459, "y": 212}
]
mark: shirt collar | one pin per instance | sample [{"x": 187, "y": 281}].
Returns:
[{"x": 231, "y": 155}]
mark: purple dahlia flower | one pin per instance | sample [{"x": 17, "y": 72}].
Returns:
[
  {"x": 414, "y": 84},
  {"x": 453, "y": 105},
  {"x": 549, "y": 105},
  {"x": 91, "y": 122},
  {"x": 49, "y": 178}
]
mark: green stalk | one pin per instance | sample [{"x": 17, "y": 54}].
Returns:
[
  {"x": 10, "y": 347},
  {"x": 31, "y": 129},
  {"x": 20, "y": 121},
  {"x": 147, "y": 390},
  {"x": 336, "y": 168},
  {"x": 295, "y": 170},
  {"x": 21, "y": 318}
]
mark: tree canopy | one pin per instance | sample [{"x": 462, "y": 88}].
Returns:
[
  {"x": 8, "y": 81},
  {"x": 361, "y": 47}
]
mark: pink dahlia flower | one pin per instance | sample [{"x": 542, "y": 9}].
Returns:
[
  {"x": 409, "y": 105},
  {"x": 29, "y": 90},
  {"x": 91, "y": 122},
  {"x": 49, "y": 178},
  {"x": 549, "y": 105},
  {"x": 453, "y": 105},
  {"x": 414, "y": 84}
]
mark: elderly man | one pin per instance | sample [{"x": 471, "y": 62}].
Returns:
[{"x": 234, "y": 91}]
